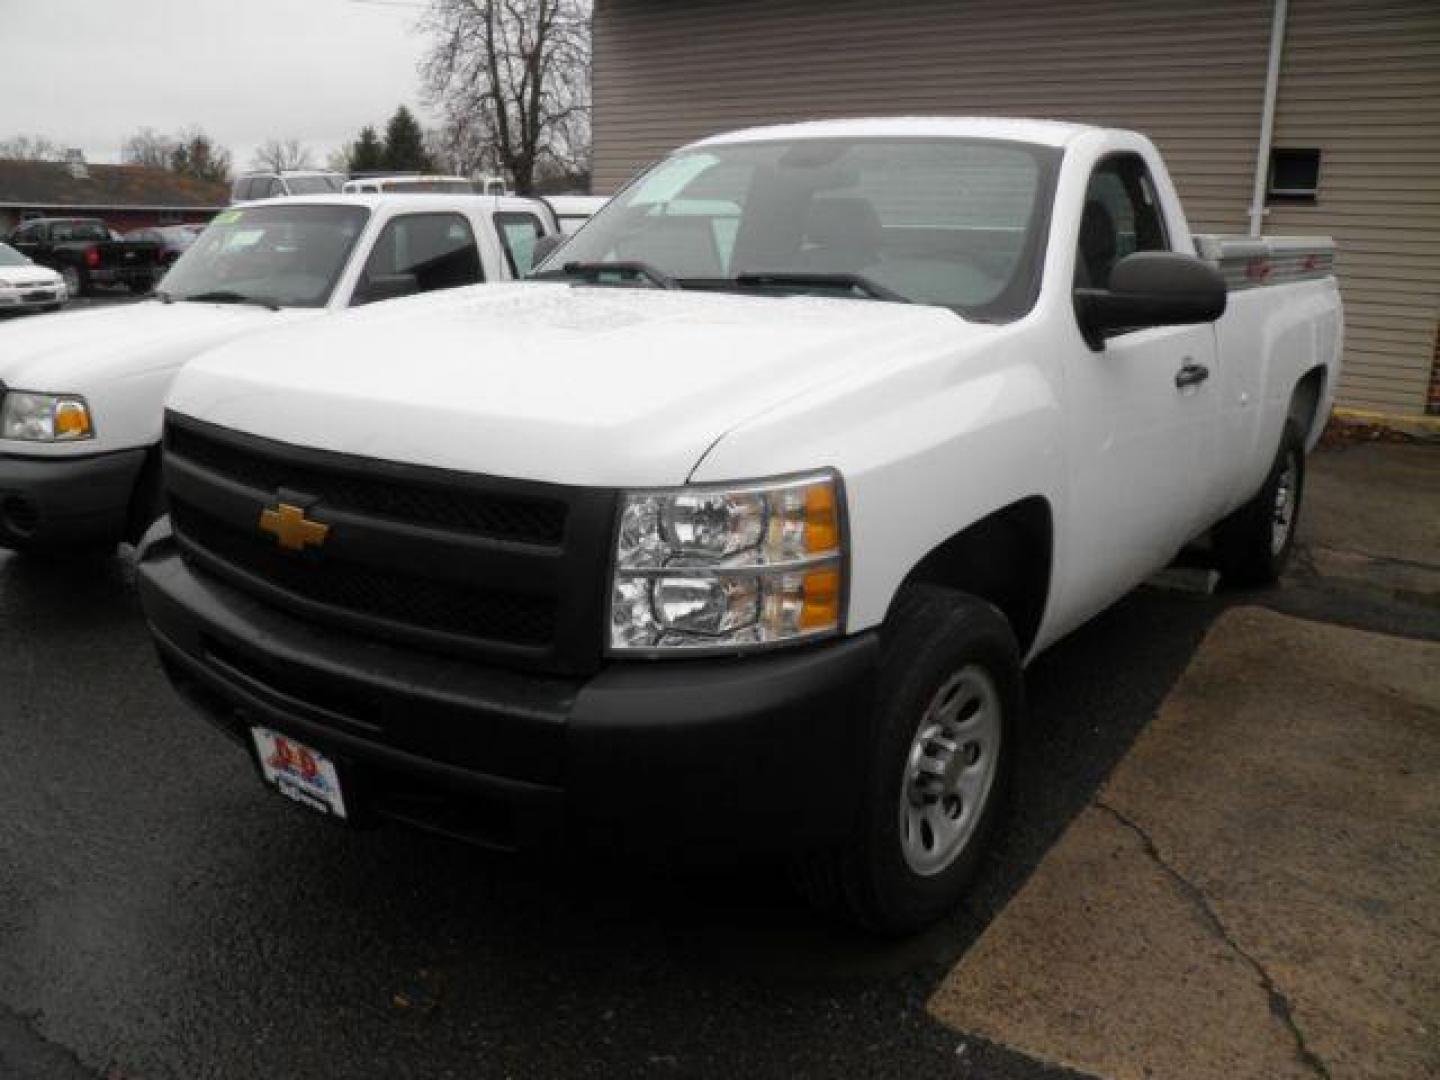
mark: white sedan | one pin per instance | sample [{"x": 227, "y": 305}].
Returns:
[{"x": 26, "y": 286}]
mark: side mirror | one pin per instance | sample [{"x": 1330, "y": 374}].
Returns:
[
  {"x": 1150, "y": 288},
  {"x": 545, "y": 246},
  {"x": 385, "y": 287}
]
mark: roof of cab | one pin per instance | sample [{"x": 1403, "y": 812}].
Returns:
[
  {"x": 400, "y": 200},
  {"x": 1043, "y": 132}
]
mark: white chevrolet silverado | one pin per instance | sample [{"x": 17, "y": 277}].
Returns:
[
  {"x": 736, "y": 528},
  {"x": 82, "y": 395}
]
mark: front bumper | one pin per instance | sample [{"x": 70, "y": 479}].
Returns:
[
  {"x": 66, "y": 501},
  {"x": 760, "y": 753},
  {"x": 32, "y": 299}
]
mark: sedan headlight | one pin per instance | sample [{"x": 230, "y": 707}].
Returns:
[
  {"x": 727, "y": 567},
  {"x": 44, "y": 417}
]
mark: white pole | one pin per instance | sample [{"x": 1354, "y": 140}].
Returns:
[{"x": 1267, "y": 118}]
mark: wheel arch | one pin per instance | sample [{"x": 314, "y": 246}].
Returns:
[
  {"x": 1004, "y": 558},
  {"x": 1305, "y": 402}
]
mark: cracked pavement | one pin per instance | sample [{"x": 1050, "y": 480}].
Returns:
[{"x": 1251, "y": 893}]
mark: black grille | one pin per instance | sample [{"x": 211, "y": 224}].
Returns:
[
  {"x": 399, "y": 598},
  {"x": 506, "y": 570},
  {"x": 502, "y": 517}
]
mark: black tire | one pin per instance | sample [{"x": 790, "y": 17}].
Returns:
[
  {"x": 932, "y": 636},
  {"x": 1250, "y": 550},
  {"x": 77, "y": 282},
  {"x": 139, "y": 288}
]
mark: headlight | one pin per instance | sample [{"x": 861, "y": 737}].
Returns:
[
  {"x": 726, "y": 567},
  {"x": 44, "y": 417}
]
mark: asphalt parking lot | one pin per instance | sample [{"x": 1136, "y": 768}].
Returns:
[{"x": 162, "y": 916}]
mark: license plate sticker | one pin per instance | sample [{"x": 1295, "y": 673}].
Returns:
[{"x": 299, "y": 772}]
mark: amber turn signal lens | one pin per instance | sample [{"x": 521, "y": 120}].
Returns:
[
  {"x": 821, "y": 608},
  {"x": 72, "y": 420},
  {"x": 822, "y": 522}
]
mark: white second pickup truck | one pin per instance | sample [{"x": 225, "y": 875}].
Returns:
[
  {"x": 737, "y": 529},
  {"x": 81, "y": 395}
]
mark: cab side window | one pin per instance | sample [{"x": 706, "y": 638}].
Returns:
[
  {"x": 420, "y": 253},
  {"x": 1121, "y": 216},
  {"x": 518, "y": 233}
]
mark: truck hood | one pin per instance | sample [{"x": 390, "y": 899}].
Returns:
[
  {"x": 78, "y": 351},
  {"x": 579, "y": 385}
]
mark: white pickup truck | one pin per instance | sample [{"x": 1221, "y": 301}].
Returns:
[
  {"x": 82, "y": 395},
  {"x": 738, "y": 529}
]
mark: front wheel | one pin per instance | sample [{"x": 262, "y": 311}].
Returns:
[
  {"x": 76, "y": 283},
  {"x": 945, "y": 718},
  {"x": 1253, "y": 545}
]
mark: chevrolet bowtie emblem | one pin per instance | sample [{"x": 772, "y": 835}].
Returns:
[{"x": 294, "y": 531}]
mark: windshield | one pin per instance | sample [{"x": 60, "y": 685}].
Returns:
[
  {"x": 286, "y": 255},
  {"x": 10, "y": 257},
  {"x": 313, "y": 185},
  {"x": 447, "y": 187},
  {"x": 954, "y": 222}
]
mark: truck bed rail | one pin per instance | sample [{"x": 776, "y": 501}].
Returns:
[{"x": 1248, "y": 263}]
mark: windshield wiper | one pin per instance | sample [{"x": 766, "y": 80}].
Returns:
[
  {"x": 229, "y": 296},
  {"x": 592, "y": 271},
  {"x": 163, "y": 296},
  {"x": 858, "y": 282}
]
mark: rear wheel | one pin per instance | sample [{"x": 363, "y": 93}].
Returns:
[
  {"x": 1253, "y": 545},
  {"x": 945, "y": 717}
]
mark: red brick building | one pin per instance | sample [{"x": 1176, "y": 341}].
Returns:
[{"x": 123, "y": 196}]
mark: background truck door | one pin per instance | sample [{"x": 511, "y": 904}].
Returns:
[{"x": 1142, "y": 411}]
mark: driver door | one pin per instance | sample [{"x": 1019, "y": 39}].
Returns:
[{"x": 1142, "y": 410}]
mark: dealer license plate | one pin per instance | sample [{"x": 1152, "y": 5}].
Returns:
[{"x": 299, "y": 772}]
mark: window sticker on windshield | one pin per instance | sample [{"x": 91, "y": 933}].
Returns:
[
  {"x": 243, "y": 238},
  {"x": 226, "y": 217}
]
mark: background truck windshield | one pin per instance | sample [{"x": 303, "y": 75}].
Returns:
[
  {"x": 314, "y": 185},
  {"x": 287, "y": 255},
  {"x": 955, "y": 222}
]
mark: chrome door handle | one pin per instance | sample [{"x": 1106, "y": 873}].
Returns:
[{"x": 1191, "y": 375}]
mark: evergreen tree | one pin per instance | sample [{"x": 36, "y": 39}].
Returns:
[
  {"x": 196, "y": 155},
  {"x": 405, "y": 144},
  {"x": 368, "y": 152}
]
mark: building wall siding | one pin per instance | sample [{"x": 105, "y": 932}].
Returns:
[{"x": 1360, "y": 82}]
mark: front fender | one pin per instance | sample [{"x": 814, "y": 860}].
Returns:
[{"x": 925, "y": 452}]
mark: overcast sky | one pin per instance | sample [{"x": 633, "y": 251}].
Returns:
[{"x": 89, "y": 73}]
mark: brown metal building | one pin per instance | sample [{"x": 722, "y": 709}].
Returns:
[{"x": 1354, "y": 152}]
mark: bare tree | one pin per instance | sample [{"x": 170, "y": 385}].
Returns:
[
  {"x": 149, "y": 148},
  {"x": 30, "y": 148},
  {"x": 513, "y": 75},
  {"x": 278, "y": 155}
]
